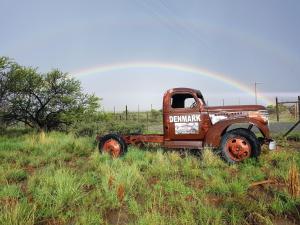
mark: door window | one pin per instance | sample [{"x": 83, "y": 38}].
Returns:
[{"x": 183, "y": 101}]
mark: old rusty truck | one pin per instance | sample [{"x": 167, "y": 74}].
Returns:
[{"x": 188, "y": 123}]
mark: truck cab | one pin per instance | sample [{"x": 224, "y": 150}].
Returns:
[{"x": 184, "y": 118}]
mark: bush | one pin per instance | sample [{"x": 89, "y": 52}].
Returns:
[
  {"x": 119, "y": 127},
  {"x": 85, "y": 129},
  {"x": 125, "y": 128}
]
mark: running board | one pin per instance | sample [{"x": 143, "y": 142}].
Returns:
[{"x": 184, "y": 144}]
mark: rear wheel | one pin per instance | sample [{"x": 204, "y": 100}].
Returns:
[
  {"x": 238, "y": 145},
  {"x": 113, "y": 144}
]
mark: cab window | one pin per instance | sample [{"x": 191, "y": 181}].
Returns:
[{"x": 182, "y": 101}]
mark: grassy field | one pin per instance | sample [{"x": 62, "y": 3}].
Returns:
[{"x": 57, "y": 178}]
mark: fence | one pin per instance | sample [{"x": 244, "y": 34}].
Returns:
[
  {"x": 296, "y": 109},
  {"x": 296, "y": 112}
]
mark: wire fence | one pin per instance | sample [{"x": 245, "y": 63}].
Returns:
[
  {"x": 152, "y": 115},
  {"x": 292, "y": 106}
]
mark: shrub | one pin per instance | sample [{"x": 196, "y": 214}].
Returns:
[{"x": 119, "y": 127}]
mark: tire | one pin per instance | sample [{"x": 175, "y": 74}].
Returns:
[
  {"x": 238, "y": 145},
  {"x": 113, "y": 144}
]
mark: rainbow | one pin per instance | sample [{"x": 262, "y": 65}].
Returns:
[{"x": 169, "y": 66}]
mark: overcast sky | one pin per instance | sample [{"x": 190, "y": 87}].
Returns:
[{"x": 248, "y": 41}]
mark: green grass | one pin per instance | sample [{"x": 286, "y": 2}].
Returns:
[
  {"x": 294, "y": 136},
  {"x": 62, "y": 179}
]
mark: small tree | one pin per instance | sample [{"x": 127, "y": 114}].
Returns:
[
  {"x": 5, "y": 67},
  {"x": 44, "y": 101}
]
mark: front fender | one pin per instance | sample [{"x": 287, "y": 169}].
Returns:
[{"x": 214, "y": 134}]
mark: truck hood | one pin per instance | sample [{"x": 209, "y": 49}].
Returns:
[
  {"x": 221, "y": 113},
  {"x": 235, "y": 108}
]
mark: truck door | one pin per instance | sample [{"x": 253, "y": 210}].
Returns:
[{"x": 184, "y": 120}]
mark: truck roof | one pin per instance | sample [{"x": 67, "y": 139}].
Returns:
[{"x": 182, "y": 89}]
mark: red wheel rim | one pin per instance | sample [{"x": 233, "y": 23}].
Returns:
[
  {"x": 112, "y": 147},
  {"x": 238, "y": 148}
]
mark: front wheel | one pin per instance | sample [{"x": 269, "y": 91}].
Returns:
[{"x": 238, "y": 145}]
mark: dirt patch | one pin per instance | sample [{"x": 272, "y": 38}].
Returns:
[
  {"x": 71, "y": 163},
  {"x": 233, "y": 172},
  {"x": 258, "y": 219},
  {"x": 140, "y": 199},
  {"x": 295, "y": 145},
  {"x": 189, "y": 198},
  {"x": 24, "y": 187},
  {"x": 42, "y": 164},
  {"x": 260, "y": 192},
  {"x": 116, "y": 216},
  {"x": 121, "y": 192},
  {"x": 9, "y": 201},
  {"x": 50, "y": 221},
  {"x": 153, "y": 181},
  {"x": 213, "y": 200},
  {"x": 285, "y": 221},
  {"x": 266, "y": 188},
  {"x": 88, "y": 187},
  {"x": 197, "y": 184},
  {"x": 29, "y": 169}
]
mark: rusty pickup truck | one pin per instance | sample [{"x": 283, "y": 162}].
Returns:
[{"x": 188, "y": 123}]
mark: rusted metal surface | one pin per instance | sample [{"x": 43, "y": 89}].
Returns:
[
  {"x": 197, "y": 125},
  {"x": 235, "y": 108},
  {"x": 146, "y": 138},
  {"x": 215, "y": 132},
  {"x": 170, "y": 112},
  {"x": 238, "y": 149},
  {"x": 183, "y": 144},
  {"x": 112, "y": 147}
]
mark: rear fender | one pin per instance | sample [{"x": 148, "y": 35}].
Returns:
[{"x": 215, "y": 133}]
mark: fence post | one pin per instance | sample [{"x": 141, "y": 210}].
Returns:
[
  {"x": 126, "y": 113},
  {"x": 138, "y": 113},
  {"x": 299, "y": 107},
  {"x": 277, "y": 110},
  {"x": 147, "y": 121}
]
